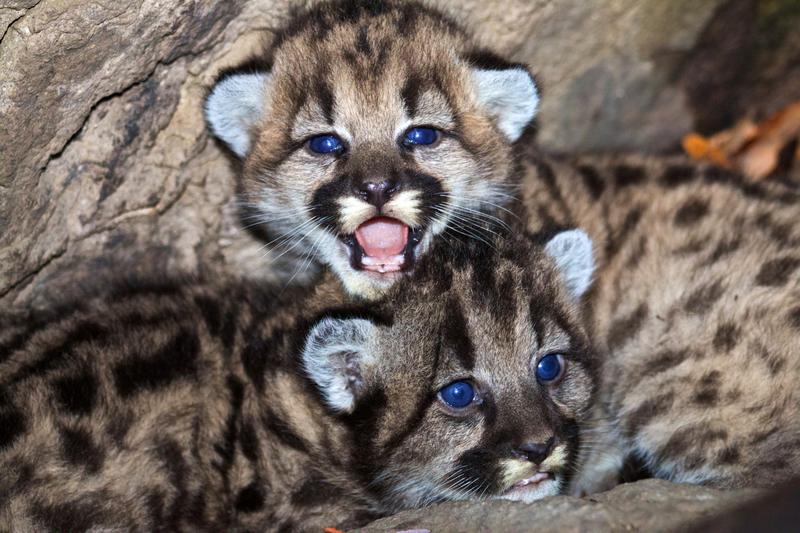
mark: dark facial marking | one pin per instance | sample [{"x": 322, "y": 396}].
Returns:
[
  {"x": 455, "y": 335},
  {"x": 677, "y": 175},
  {"x": 691, "y": 213},
  {"x": 79, "y": 449},
  {"x": 410, "y": 93},
  {"x": 592, "y": 180},
  {"x": 212, "y": 314},
  {"x": 250, "y": 499},
  {"x": 479, "y": 469},
  {"x": 77, "y": 394},
  {"x": 626, "y": 176},
  {"x": 703, "y": 299},
  {"x": 726, "y": 338},
  {"x": 729, "y": 455},
  {"x": 177, "y": 360},
  {"x": 73, "y": 516},
  {"x": 362, "y": 42},
  {"x": 623, "y": 329},
  {"x": 777, "y": 272}
]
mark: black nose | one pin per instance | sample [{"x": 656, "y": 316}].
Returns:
[
  {"x": 536, "y": 452},
  {"x": 377, "y": 194}
]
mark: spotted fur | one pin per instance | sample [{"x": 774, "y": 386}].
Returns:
[
  {"x": 368, "y": 72},
  {"x": 218, "y": 408},
  {"x": 696, "y": 308}
]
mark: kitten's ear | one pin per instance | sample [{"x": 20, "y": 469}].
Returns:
[
  {"x": 234, "y": 106},
  {"x": 335, "y": 353},
  {"x": 511, "y": 97},
  {"x": 572, "y": 252}
]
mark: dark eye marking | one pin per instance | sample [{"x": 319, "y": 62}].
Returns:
[{"x": 458, "y": 394}]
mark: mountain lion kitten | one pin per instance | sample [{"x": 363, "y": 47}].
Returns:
[
  {"x": 211, "y": 408},
  {"x": 695, "y": 310},
  {"x": 366, "y": 129}
]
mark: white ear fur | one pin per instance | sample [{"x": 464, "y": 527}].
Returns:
[
  {"x": 572, "y": 252},
  {"x": 235, "y": 104},
  {"x": 510, "y": 95},
  {"x": 335, "y": 352}
]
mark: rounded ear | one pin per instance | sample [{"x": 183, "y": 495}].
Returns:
[
  {"x": 572, "y": 252},
  {"x": 511, "y": 97},
  {"x": 234, "y": 106},
  {"x": 334, "y": 355}
]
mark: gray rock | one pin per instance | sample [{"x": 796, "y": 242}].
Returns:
[{"x": 651, "y": 505}]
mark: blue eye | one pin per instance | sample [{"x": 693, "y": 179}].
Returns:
[
  {"x": 421, "y": 136},
  {"x": 325, "y": 143},
  {"x": 549, "y": 368},
  {"x": 458, "y": 394}
]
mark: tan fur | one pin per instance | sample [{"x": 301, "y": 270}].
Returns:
[
  {"x": 380, "y": 75},
  {"x": 696, "y": 308},
  {"x": 198, "y": 408}
]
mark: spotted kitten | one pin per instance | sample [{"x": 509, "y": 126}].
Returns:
[
  {"x": 696, "y": 308},
  {"x": 222, "y": 408}
]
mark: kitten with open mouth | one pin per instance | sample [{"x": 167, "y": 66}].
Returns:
[{"x": 359, "y": 145}]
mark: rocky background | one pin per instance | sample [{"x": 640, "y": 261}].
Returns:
[{"x": 107, "y": 171}]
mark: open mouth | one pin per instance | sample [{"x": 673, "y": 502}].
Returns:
[
  {"x": 383, "y": 245},
  {"x": 529, "y": 482}
]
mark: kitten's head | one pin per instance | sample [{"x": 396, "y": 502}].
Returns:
[
  {"x": 368, "y": 128},
  {"x": 471, "y": 378}
]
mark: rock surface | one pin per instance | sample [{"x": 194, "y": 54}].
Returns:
[
  {"x": 107, "y": 171},
  {"x": 652, "y": 506}
]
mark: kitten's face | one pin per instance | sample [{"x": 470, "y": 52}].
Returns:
[{"x": 364, "y": 135}]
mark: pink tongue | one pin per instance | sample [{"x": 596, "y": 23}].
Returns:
[{"x": 382, "y": 236}]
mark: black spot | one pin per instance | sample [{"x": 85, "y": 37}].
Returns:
[
  {"x": 315, "y": 492},
  {"x": 12, "y": 425},
  {"x": 212, "y": 314},
  {"x": 325, "y": 98},
  {"x": 703, "y": 299},
  {"x": 119, "y": 426},
  {"x": 259, "y": 355},
  {"x": 287, "y": 527},
  {"x": 637, "y": 254},
  {"x": 688, "y": 443},
  {"x": 250, "y": 499},
  {"x": 664, "y": 361},
  {"x": 794, "y": 317},
  {"x": 592, "y": 180},
  {"x": 628, "y": 226},
  {"x": 249, "y": 442},
  {"x": 77, "y": 394},
  {"x": 455, "y": 335},
  {"x": 677, "y": 175},
  {"x": 73, "y": 516},
  {"x": 776, "y": 272},
  {"x": 488, "y": 60},
  {"x": 79, "y": 449},
  {"x": 478, "y": 469},
  {"x": 647, "y": 411},
  {"x": 283, "y": 431},
  {"x": 724, "y": 248},
  {"x": 177, "y": 360},
  {"x": 626, "y": 176},
  {"x": 623, "y": 329},
  {"x": 726, "y": 338},
  {"x": 691, "y": 212},
  {"x": 178, "y": 471},
  {"x": 708, "y": 389},
  {"x": 692, "y": 247},
  {"x": 730, "y": 455}
]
